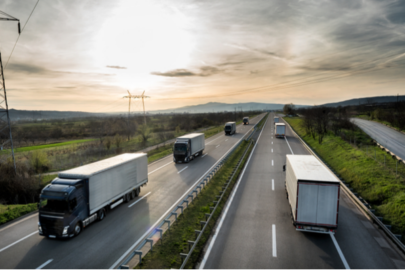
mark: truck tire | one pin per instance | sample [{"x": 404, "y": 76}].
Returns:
[
  {"x": 127, "y": 197},
  {"x": 101, "y": 214},
  {"x": 78, "y": 229},
  {"x": 133, "y": 194}
]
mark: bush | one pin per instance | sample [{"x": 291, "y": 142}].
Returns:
[
  {"x": 15, "y": 211},
  {"x": 39, "y": 161}
]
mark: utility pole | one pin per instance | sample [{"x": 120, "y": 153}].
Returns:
[
  {"x": 6, "y": 139},
  {"x": 130, "y": 96}
]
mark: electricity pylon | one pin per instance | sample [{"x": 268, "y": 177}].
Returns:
[
  {"x": 130, "y": 96},
  {"x": 6, "y": 139}
]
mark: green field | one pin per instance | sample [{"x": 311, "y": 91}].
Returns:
[
  {"x": 374, "y": 182},
  {"x": 44, "y": 146}
]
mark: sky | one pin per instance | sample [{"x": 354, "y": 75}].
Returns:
[{"x": 81, "y": 55}]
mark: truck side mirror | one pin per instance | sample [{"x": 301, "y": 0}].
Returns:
[{"x": 283, "y": 168}]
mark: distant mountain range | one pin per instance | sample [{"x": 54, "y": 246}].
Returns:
[
  {"x": 366, "y": 100},
  {"x": 220, "y": 107},
  {"x": 31, "y": 115}
]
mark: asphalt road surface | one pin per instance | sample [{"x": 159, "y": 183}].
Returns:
[
  {"x": 103, "y": 244},
  {"x": 256, "y": 231},
  {"x": 387, "y": 137}
]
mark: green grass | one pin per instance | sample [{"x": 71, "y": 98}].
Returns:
[
  {"x": 166, "y": 255},
  {"x": 44, "y": 146},
  {"x": 10, "y": 212},
  {"x": 160, "y": 152},
  {"x": 375, "y": 183}
]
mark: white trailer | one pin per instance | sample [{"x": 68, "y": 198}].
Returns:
[
  {"x": 313, "y": 194},
  {"x": 230, "y": 128},
  {"x": 188, "y": 147},
  {"x": 279, "y": 130},
  {"x": 276, "y": 119}
]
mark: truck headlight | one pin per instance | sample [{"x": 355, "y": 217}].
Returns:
[
  {"x": 65, "y": 230},
  {"x": 39, "y": 227}
]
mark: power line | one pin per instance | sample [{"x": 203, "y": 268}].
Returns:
[{"x": 20, "y": 34}]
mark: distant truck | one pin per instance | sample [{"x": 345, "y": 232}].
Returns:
[
  {"x": 276, "y": 119},
  {"x": 313, "y": 194},
  {"x": 80, "y": 196},
  {"x": 279, "y": 129},
  {"x": 246, "y": 120},
  {"x": 187, "y": 147},
  {"x": 230, "y": 128}
]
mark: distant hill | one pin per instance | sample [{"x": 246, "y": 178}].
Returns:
[
  {"x": 16, "y": 115},
  {"x": 220, "y": 107},
  {"x": 366, "y": 100}
]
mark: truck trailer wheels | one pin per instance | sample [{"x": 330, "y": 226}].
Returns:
[{"x": 101, "y": 214}]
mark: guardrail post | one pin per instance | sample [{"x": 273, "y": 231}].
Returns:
[
  {"x": 190, "y": 243},
  {"x": 168, "y": 223},
  {"x": 398, "y": 236},
  {"x": 207, "y": 216},
  {"x": 139, "y": 252},
  {"x": 181, "y": 207},
  {"x": 388, "y": 227},
  {"x": 202, "y": 223},
  {"x": 190, "y": 196},
  {"x": 150, "y": 240},
  {"x": 175, "y": 214},
  {"x": 161, "y": 234},
  {"x": 182, "y": 256},
  {"x": 197, "y": 232},
  {"x": 212, "y": 209},
  {"x": 186, "y": 201}
]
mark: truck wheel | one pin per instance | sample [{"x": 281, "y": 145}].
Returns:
[
  {"x": 133, "y": 194},
  {"x": 101, "y": 214},
  {"x": 78, "y": 229},
  {"x": 127, "y": 197}
]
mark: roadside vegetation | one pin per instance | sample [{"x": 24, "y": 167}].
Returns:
[
  {"x": 167, "y": 254},
  {"x": 370, "y": 171}
]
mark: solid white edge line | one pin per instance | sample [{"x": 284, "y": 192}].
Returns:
[
  {"x": 289, "y": 145},
  {"x": 207, "y": 253},
  {"x": 182, "y": 170},
  {"x": 272, "y": 162},
  {"x": 144, "y": 196},
  {"x": 274, "y": 240},
  {"x": 18, "y": 241},
  {"x": 21, "y": 220},
  {"x": 204, "y": 155},
  {"x": 342, "y": 257},
  {"x": 170, "y": 208},
  {"x": 45, "y": 264},
  {"x": 160, "y": 168},
  {"x": 272, "y": 184},
  {"x": 217, "y": 146},
  {"x": 272, "y": 150}
]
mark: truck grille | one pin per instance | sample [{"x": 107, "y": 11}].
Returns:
[{"x": 51, "y": 226}]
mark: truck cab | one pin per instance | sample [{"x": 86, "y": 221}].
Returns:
[
  {"x": 230, "y": 128},
  {"x": 246, "y": 120},
  {"x": 181, "y": 150},
  {"x": 62, "y": 208}
]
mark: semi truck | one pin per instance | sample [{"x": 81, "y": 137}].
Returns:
[
  {"x": 313, "y": 194},
  {"x": 230, "y": 128},
  {"x": 279, "y": 130},
  {"x": 276, "y": 119},
  {"x": 246, "y": 120},
  {"x": 187, "y": 147},
  {"x": 82, "y": 195}
]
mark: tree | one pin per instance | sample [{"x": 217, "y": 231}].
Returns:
[
  {"x": 289, "y": 109},
  {"x": 117, "y": 140},
  {"x": 145, "y": 133}
]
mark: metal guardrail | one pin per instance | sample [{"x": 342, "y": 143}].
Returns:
[
  {"x": 363, "y": 204},
  {"x": 206, "y": 178}
]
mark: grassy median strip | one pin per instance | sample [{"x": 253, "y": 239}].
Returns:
[
  {"x": 375, "y": 183},
  {"x": 167, "y": 253}
]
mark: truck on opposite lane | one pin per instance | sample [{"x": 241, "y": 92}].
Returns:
[
  {"x": 313, "y": 194},
  {"x": 246, "y": 120},
  {"x": 230, "y": 128},
  {"x": 80, "y": 196},
  {"x": 187, "y": 147}
]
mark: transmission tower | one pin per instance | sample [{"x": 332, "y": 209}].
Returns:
[
  {"x": 6, "y": 139},
  {"x": 130, "y": 96}
]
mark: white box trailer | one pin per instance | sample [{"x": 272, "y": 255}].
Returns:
[
  {"x": 230, "y": 128},
  {"x": 276, "y": 119},
  {"x": 187, "y": 147},
  {"x": 313, "y": 194},
  {"x": 80, "y": 196},
  {"x": 279, "y": 130}
]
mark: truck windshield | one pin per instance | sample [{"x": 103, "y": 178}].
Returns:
[
  {"x": 227, "y": 127},
  {"x": 180, "y": 148},
  {"x": 52, "y": 205}
]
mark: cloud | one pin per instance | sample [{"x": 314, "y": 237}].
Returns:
[
  {"x": 26, "y": 68},
  {"x": 204, "y": 72},
  {"x": 117, "y": 67}
]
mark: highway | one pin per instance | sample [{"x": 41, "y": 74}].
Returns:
[
  {"x": 255, "y": 229},
  {"x": 387, "y": 137},
  {"x": 104, "y": 244}
]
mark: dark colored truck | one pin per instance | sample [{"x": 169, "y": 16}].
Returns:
[
  {"x": 82, "y": 195},
  {"x": 187, "y": 147}
]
